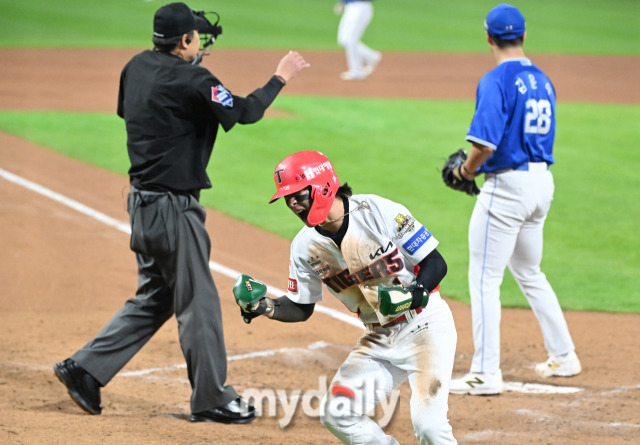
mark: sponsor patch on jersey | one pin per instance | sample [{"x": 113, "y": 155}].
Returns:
[
  {"x": 380, "y": 251},
  {"x": 220, "y": 95},
  {"x": 293, "y": 285},
  {"x": 405, "y": 224},
  {"x": 314, "y": 261},
  {"x": 322, "y": 271},
  {"x": 417, "y": 240}
]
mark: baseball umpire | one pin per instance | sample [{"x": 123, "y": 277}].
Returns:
[
  {"x": 173, "y": 108},
  {"x": 511, "y": 135},
  {"x": 378, "y": 260}
]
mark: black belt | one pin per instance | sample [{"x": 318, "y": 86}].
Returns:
[{"x": 194, "y": 193}]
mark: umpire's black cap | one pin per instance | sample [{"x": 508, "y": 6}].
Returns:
[{"x": 176, "y": 19}]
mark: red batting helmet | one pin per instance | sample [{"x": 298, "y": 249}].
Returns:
[{"x": 304, "y": 169}]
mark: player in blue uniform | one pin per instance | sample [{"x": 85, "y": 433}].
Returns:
[
  {"x": 512, "y": 135},
  {"x": 356, "y": 16}
]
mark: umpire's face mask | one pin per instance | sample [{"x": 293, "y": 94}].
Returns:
[{"x": 208, "y": 33}]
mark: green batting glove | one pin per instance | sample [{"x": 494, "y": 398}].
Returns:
[
  {"x": 250, "y": 296},
  {"x": 397, "y": 299}
]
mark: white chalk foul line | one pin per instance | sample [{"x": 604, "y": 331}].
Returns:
[
  {"x": 233, "y": 274},
  {"x": 75, "y": 205},
  {"x": 126, "y": 228},
  {"x": 146, "y": 373},
  {"x": 250, "y": 355}
]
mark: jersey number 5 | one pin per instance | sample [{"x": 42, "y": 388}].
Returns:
[{"x": 537, "y": 120}]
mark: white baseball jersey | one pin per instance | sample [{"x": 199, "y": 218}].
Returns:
[{"x": 383, "y": 244}]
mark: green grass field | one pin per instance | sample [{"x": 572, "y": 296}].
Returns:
[
  {"x": 568, "y": 26},
  {"x": 591, "y": 251},
  {"x": 591, "y": 241}
]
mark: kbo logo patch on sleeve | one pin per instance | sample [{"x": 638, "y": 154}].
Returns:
[{"x": 220, "y": 95}]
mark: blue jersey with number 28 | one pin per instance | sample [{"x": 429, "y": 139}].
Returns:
[{"x": 515, "y": 115}]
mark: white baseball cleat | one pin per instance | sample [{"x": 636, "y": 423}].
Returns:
[
  {"x": 566, "y": 365},
  {"x": 478, "y": 384},
  {"x": 371, "y": 66},
  {"x": 348, "y": 75}
]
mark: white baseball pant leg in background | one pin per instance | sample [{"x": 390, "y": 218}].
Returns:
[
  {"x": 355, "y": 19},
  {"x": 506, "y": 229},
  {"x": 421, "y": 350}
]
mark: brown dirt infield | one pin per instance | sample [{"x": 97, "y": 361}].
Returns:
[{"x": 65, "y": 275}]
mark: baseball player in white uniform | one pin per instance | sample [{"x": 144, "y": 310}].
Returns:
[
  {"x": 371, "y": 254},
  {"x": 512, "y": 135},
  {"x": 356, "y": 16}
]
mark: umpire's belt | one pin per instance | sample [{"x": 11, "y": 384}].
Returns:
[
  {"x": 407, "y": 316},
  {"x": 194, "y": 193}
]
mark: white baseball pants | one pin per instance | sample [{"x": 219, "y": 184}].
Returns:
[
  {"x": 355, "y": 19},
  {"x": 421, "y": 350},
  {"x": 506, "y": 229}
]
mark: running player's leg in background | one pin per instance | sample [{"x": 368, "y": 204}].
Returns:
[{"x": 354, "y": 22}]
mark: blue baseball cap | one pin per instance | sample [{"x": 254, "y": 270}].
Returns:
[{"x": 505, "y": 22}]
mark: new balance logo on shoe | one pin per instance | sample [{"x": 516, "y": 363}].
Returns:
[
  {"x": 474, "y": 382},
  {"x": 477, "y": 383}
]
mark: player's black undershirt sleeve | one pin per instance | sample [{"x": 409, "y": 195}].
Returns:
[
  {"x": 259, "y": 100},
  {"x": 289, "y": 311},
  {"x": 433, "y": 269}
]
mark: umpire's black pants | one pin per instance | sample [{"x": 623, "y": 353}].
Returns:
[{"x": 172, "y": 249}]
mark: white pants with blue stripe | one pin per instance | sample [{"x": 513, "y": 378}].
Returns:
[
  {"x": 354, "y": 22},
  {"x": 506, "y": 229}
]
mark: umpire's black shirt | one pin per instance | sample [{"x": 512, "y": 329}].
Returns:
[{"x": 172, "y": 110}]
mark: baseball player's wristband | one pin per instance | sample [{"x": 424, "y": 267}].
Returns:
[
  {"x": 281, "y": 79},
  {"x": 464, "y": 167},
  {"x": 417, "y": 297}
]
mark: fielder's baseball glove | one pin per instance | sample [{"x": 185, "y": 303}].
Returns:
[{"x": 453, "y": 178}]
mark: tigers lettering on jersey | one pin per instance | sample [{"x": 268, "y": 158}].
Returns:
[
  {"x": 385, "y": 266},
  {"x": 220, "y": 95}
]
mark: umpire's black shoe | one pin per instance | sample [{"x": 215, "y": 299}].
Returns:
[
  {"x": 83, "y": 388},
  {"x": 236, "y": 411}
]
